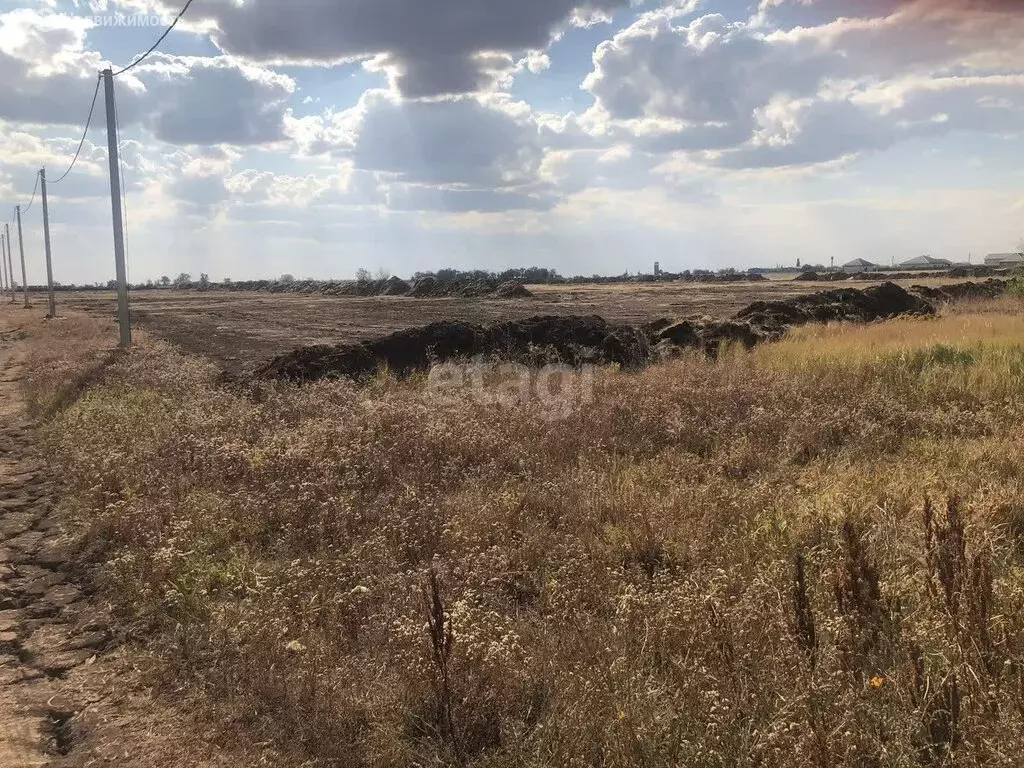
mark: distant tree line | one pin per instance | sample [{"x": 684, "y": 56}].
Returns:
[
  {"x": 533, "y": 275},
  {"x": 526, "y": 275}
]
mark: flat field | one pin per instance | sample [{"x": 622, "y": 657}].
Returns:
[
  {"x": 807, "y": 555},
  {"x": 810, "y": 554},
  {"x": 238, "y": 330}
]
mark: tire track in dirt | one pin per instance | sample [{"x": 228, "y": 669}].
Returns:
[{"x": 47, "y": 628}]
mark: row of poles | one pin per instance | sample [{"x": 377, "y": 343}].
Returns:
[{"x": 7, "y": 276}]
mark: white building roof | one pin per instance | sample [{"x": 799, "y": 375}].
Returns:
[{"x": 926, "y": 261}]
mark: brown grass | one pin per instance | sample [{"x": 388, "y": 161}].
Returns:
[
  {"x": 67, "y": 355},
  {"x": 806, "y": 556}
]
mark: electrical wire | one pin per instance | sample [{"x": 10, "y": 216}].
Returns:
[
  {"x": 34, "y": 190},
  {"x": 157, "y": 43},
  {"x": 85, "y": 133}
]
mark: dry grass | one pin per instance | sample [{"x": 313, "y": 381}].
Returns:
[
  {"x": 806, "y": 556},
  {"x": 975, "y": 350},
  {"x": 67, "y": 355}
]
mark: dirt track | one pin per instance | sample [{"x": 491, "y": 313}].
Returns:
[
  {"x": 70, "y": 695},
  {"x": 46, "y": 627}
]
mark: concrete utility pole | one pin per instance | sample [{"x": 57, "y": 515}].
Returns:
[
  {"x": 10, "y": 266},
  {"x": 10, "y": 255},
  {"x": 3, "y": 266},
  {"x": 46, "y": 242},
  {"x": 21, "y": 249},
  {"x": 123, "y": 316}
]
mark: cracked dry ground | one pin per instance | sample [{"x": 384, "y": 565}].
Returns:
[
  {"x": 47, "y": 628},
  {"x": 69, "y": 694}
]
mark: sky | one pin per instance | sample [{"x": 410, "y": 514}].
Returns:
[{"x": 318, "y": 137}]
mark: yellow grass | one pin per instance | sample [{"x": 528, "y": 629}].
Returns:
[
  {"x": 754, "y": 562},
  {"x": 980, "y": 352}
]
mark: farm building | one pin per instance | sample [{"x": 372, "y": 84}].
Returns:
[
  {"x": 1003, "y": 260},
  {"x": 926, "y": 262},
  {"x": 859, "y": 265}
]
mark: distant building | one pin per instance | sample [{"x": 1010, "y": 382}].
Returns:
[
  {"x": 926, "y": 262},
  {"x": 859, "y": 265},
  {"x": 1004, "y": 260}
]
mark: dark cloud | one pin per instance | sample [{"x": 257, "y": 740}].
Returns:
[
  {"x": 420, "y": 198},
  {"x": 213, "y": 101},
  {"x": 433, "y": 47}
]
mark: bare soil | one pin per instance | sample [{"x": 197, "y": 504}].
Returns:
[
  {"x": 70, "y": 694},
  {"x": 240, "y": 330}
]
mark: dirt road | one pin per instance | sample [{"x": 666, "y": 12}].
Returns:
[
  {"x": 71, "y": 693},
  {"x": 46, "y": 627}
]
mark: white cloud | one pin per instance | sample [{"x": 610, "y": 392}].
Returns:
[
  {"x": 183, "y": 100},
  {"x": 746, "y": 92}
]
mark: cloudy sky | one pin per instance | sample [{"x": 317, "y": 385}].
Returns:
[{"x": 315, "y": 137}]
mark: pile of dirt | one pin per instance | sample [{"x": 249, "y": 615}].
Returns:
[
  {"x": 577, "y": 341},
  {"x": 843, "y": 304},
  {"x": 474, "y": 289},
  {"x": 717, "y": 277},
  {"x": 512, "y": 289},
  {"x": 990, "y": 289},
  {"x": 819, "y": 277},
  {"x": 573, "y": 341},
  {"x": 978, "y": 271},
  {"x": 395, "y": 286},
  {"x": 425, "y": 287},
  {"x": 958, "y": 273}
]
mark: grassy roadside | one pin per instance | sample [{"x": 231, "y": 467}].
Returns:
[{"x": 805, "y": 556}]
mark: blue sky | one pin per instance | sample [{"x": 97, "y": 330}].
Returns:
[{"x": 592, "y": 137}]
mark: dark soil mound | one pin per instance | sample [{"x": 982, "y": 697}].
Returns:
[
  {"x": 395, "y": 286},
  {"x": 474, "y": 289},
  {"x": 512, "y": 289},
  {"x": 822, "y": 277},
  {"x": 990, "y": 289},
  {"x": 653, "y": 328},
  {"x": 846, "y": 304},
  {"x": 573, "y": 341},
  {"x": 425, "y": 288},
  {"x": 978, "y": 271},
  {"x": 577, "y": 341}
]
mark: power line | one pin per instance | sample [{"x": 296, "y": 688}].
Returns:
[
  {"x": 84, "y": 133},
  {"x": 34, "y": 190},
  {"x": 157, "y": 43}
]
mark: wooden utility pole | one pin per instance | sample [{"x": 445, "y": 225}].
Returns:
[
  {"x": 46, "y": 241},
  {"x": 123, "y": 313},
  {"x": 21, "y": 249}
]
